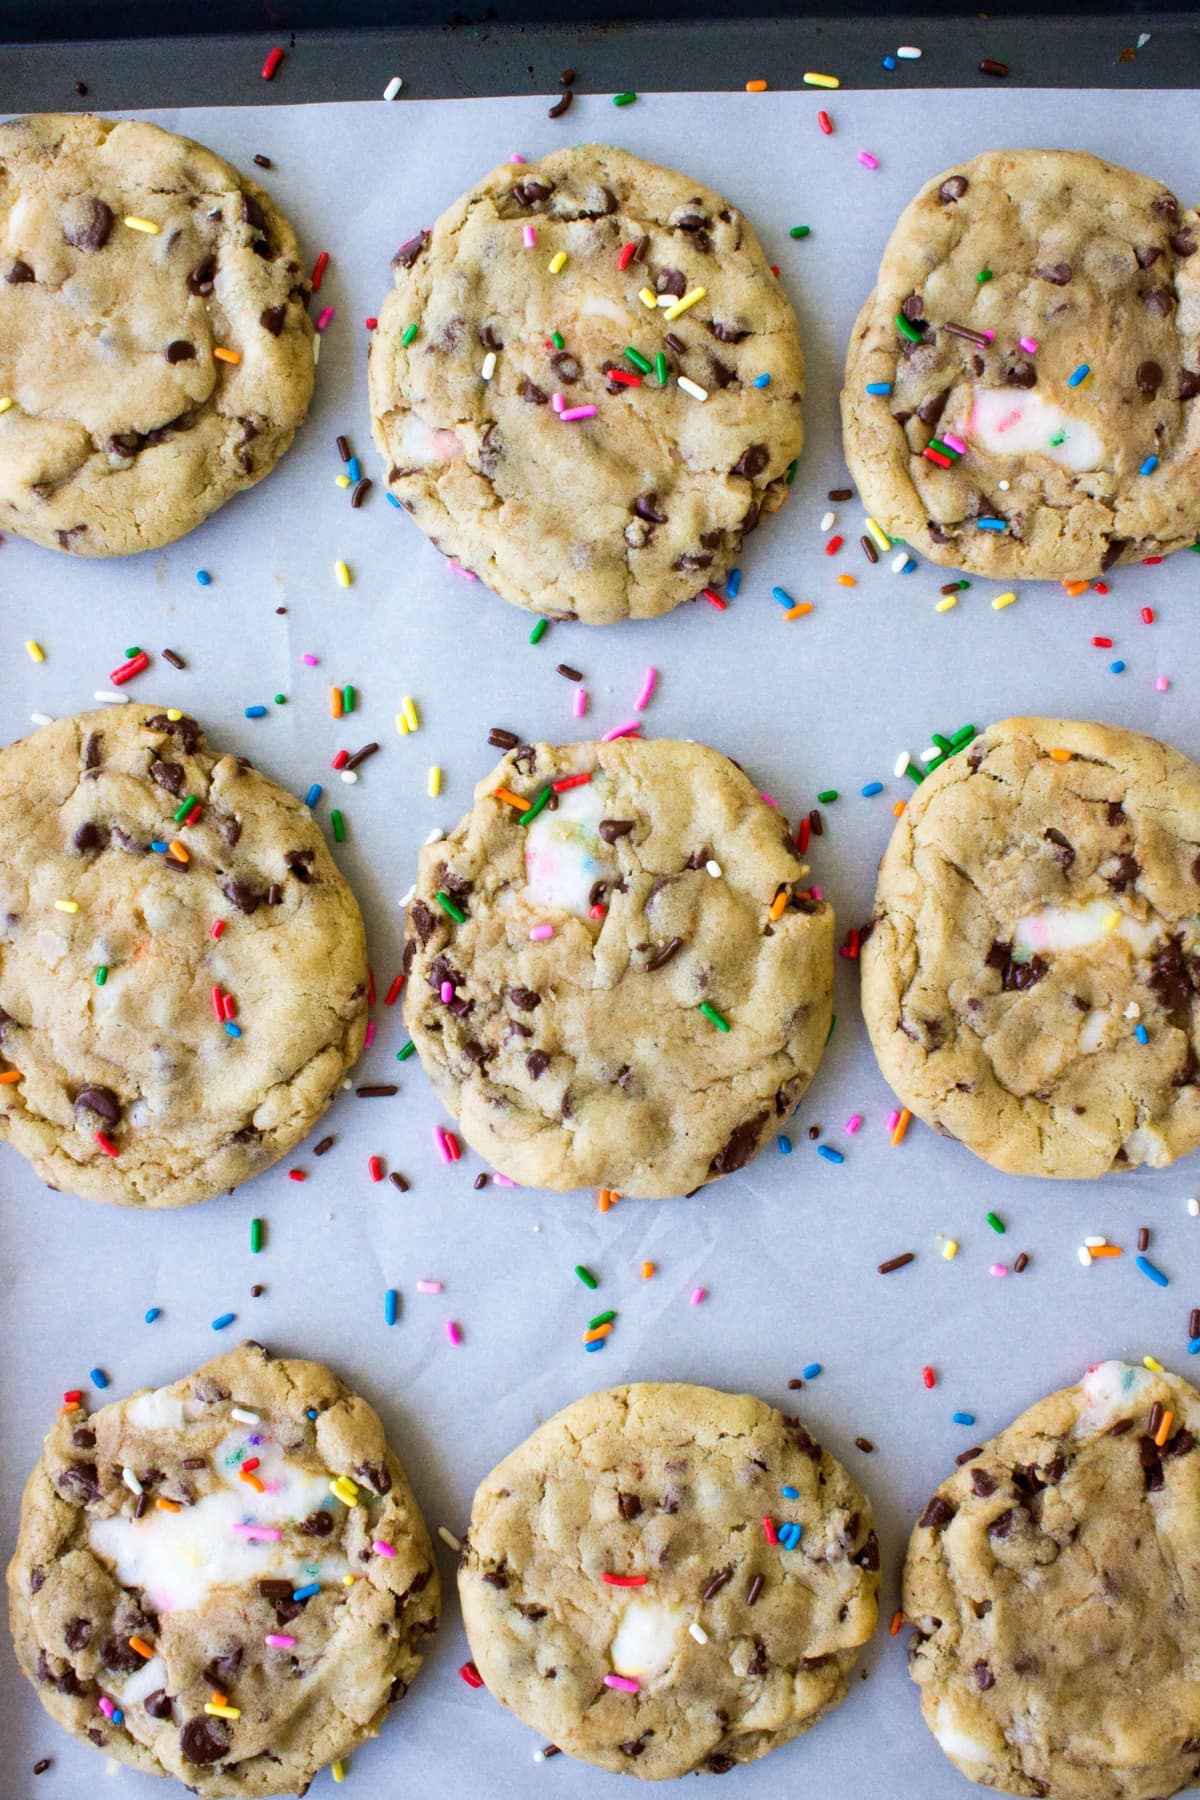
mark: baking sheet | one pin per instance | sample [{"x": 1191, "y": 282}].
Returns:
[{"x": 786, "y": 1248}]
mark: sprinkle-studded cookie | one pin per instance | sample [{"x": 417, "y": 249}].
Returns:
[
  {"x": 1052, "y": 1586},
  {"x": 618, "y": 973},
  {"x": 1031, "y": 973},
  {"x": 155, "y": 350},
  {"x": 587, "y": 384},
  {"x": 226, "y": 1580},
  {"x": 1021, "y": 387},
  {"x": 666, "y": 1579},
  {"x": 182, "y": 967}
]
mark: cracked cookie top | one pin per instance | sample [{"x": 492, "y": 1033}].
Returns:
[
  {"x": 666, "y": 1579},
  {"x": 587, "y": 384},
  {"x": 182, "y": 966},
  {"x": 1031, "y": 970},
  {"x": 226, "y": 1580},
  {"x": 618, "y": 973},
  {"x": 1052, "y": 1586},
  {"x": 1020, "y": 385},
  {"x": 155, "y": 349}
]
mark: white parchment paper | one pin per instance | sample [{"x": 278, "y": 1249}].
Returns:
[{"x": 787, "y": 1248}]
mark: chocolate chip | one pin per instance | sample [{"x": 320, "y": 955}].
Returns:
[
  {"x": 1125, "y": 874},
  {"x": 752, "y": 461},
  {"x": 528, "y": 194},
  {"x": 931, "y": 410},
  {"x": 953, "y": 188},
  {"x": 727, "y": 334},
  {"x": 408, "y": 253},
  {"x": 101, "y": 1101},
  {"x": 1158, "y": 300},
  {"x": 983, "y": 1484},
  {"x": 89, "y": 836},
  {"x": 612, "y": 829},
  {"x": 533, "y": 394},
  {"x": 1057, "y": 273},
  {"x": 1165, "y": 206},
  {"x": 241, "y": 896},
  {"x": 663, "y": 955},
  {"x": 566, "y": 367},
  {"x": 204, "y": 1739},
  {"x": 1021, "y": 375},
  {"x": 1189, "y": 384},
  {"x": 537, "y": 1062},
  {"x": 91, "y": 228},
  {"x": 318, "y": 1524},
  {"x": 525, "y": 998},
  {"x": 202, "y": 277},
  {"x": 1064, "y": 849},
  {"x": 629, "y": 1505},
  {"x": 1004, "y": 1524},
  {"x": 1183, "y": 243},
  {"x": 158, "y": 1704},
  {"x": 939, "y": 1512},
  {"x": 671, "y": 281},
  {"x": 740, "y": 1147},
  {"x": 179, "y": 350},
  {"x": 646, "y": 507},
  {"x": 19, "y": 272},
  {"x": 272, "y": 319},
  {"x": 1149, "y": 377},
  {"x": 984, "y": 1679},
  {"x": 78, "y": 1634}
]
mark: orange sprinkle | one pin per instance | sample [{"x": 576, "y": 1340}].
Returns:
[
  {"x": 141, "y": 1646},
  {"x": 756, "y": 87},
  {"x": 897, "y": 1622},
  {"x": 1104, "y": 1250},
  {"x": 219, "y": 1700},
  {"x": 847, "y": 580},
  {"x": 253, "y": 1481},
  {"x": 648, "y": 1270},
  {"x": 179, "y": 851},
  {"x": 606, "y": 1198},
  {"x": 600, "y": 1332},
  {"x": 798, "y": 612},
  {"x": 1164, "y": 1430},
  {"x": 898, "y": 808},
  {"x": 778, "y": 905},
  {"x": 511, "y": 799},
  {"x": 229, "y": 356},
  {"x": 335, "y": 702},
  {"x": 1060, "y": 756},
  {"x": 902, "y": 1124},
  {"x": 11, "y": 1075},
  {"x": 168, "y": 1505},
  {"x": 1077, "y": 587}
]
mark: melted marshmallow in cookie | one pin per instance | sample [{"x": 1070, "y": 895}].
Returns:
[{"x": 564, "y": 853}]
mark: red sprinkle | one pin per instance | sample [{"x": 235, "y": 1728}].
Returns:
[
  {"x": 623, "y": 1580},
  {"x": 193, "y": 814},
  {"x": 1147, "y": 615},
  {"x": 375, "y": 1168},
  {"x": 769, "y": 1531},
  {"x": 803, "y": 833},
  {"x": 928, "y": 1376},
  {"x": 470, "y": 1674},
  {"x": 715, "y": 600},
  {"x": 834, "y": 545},
  {"x": 72, "y": 1397},
  {"x": 1103, "y": 643},
  {"x": 393, "y": 993},
  {"x": 340, "y": 760},
  {"x": 570, "y": 781},
  {"x": 218, "y": 1005},
  {"x": 129, "y": 669},
  {"x": 107, "y": 1145},
  {"x": 274, "y": 58},
  {"x": 625, "y": 256},
  {"x": 319, "y": 268},
  {"x": 370, "y": 324},
  {"x": 826, "y": 123},
  {"x": 297, "y": 1175},
  {"x": 1151, "y": 559},
  {"x": 1100, "y": 587},
  {"x": 251, "y": 1463},
  {"x": 216, "y": 928},
  {"x": 596, "y": 912},
  {"x": 850, "y": 947},
  {"x": 228, "y": 1007},
  {"x": 620, "y": 376},
  {"x": 936, "y": 456},
  {"x": 451, "y": 1143}
]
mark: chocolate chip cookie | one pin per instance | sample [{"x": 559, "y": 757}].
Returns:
[
  {"x": 1021, "y": 385},
  {"x": 226, "y": 1580},
  {"x": 666, "y": 1579},
  {"x": 156, "y": 354},
  {"x": 618, "y": 973},
  {"x": 1031, "y": 971},
  {"x": 182, "y": 967},
  {"x": 587, "y": 384},
  {"x": 1052, "y": 1586}
]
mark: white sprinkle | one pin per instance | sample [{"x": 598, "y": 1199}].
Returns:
[
  {"x": 405, "y": 898},
  {"x": 131, "y": 1481},
  {"x": 909, "y": 52},
  {"x": 244, "y": 1415},
  {"x": 665, "y": 300},
  {"x": 901, "y": 764},
  {"x": 41, "y": 718},
  {"x": 1095, "y": 1243},
  {"x": 927, "y": 756},
  {"x": 714, "y": 869},
  {"x": 1194, "y": 1208},
  {"x": 692, "y": 387},
  {"x": 1143, "y": 39},
  {"x": 1004, "y": 486},
  {"x": 1085, "y": 1256},
  {"x": 828, "y": 521},
  {"x": 393, "y": 88},
  {"x": 698, "y": 1632},
  {"x": 108, "y": 698},
  {"x": 350, "y": 776},
  {"x": 539, "y": 1756},
  {"x": 489, "y": 365},
  {"x": 448, "y": 1538},
  {"x": 899, "y": 561},
  {"x": 1133, "y": 1010},
  {"x": 436, "y": 835}
]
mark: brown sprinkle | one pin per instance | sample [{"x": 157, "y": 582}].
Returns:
[
  {"x": 966, "y": 1456},
  {"x": 566, "y": 670},
  {"x": 343, "y": 448},
  {"x": 325, "y": 1144},
  {"x": 257, "y": 1290},
  {"x": 173, "y": 657},
  {"x": 566, "y": 78},
  {"x": 398, "y": 1181},
  {"x": 951, "y": 587},
  {"x": 897, "y": 1262},
  {"x": 841, "y": 493},
  {"x": 1021, "y": 1263},
  {"x": 1155, "y": 1419},
  {"x": 754, "y": 1590},
  {"x": 989, "y": 66},
  {"x": 480, "y": 1181},
  {"x": 360, "y": 756},
  {"x": 1143, "y": 1237},
  {"x": 561, "y": 106},
  {"x": 500, "y": 739},
  {"x": 378, "y": 1090},
  {"x": 716, "y": 1583},
  {"x": 1194, "y": 1322},
  {"x": 865, "y": 1445},
  {"x": 39, "y": 1768},
  {"x": 795, "y": 1382},
  {"x": 361, "y": 490}
]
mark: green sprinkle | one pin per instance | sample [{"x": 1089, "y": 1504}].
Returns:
[
  {"x": 181, "y": 812},
  {"x": 984, "y": 275},
  {"x": 604, "y": 1318},
  {"x": 532, "y": 812},
  {"x": 661, "y": 371},
  {"x": 624, "y": 99},
  {"x": 539, "y": 631},
  {"x": 963, "y": 735},
  {"x": 405, "y": 1051},
  {"x": 713, "y": 1016},
  {"x": 913, "y": 773},
  {"x": 995, "y": 1223},
  {"x": 102, "y": 975},
  {"x": 907, "y": 329},
  {"x": 407, "y": 335},
  {"x": 281, "y": 699},
  {"x": 586, "y": 1276},
  {"x": 832, "y": 1027},
  {"x": 447, "y": 905},
  {"x": 943, "y": 743},
  {"x": 339, "y": 826},
  {"x": 799, "y": 231},
  {"x": 134, "y": 650},
  {"x": 1060, "y": 437},
  {"x": 256, "y": 1236},
  {"x": 641, "y": 363},
  {"x": 827, "y": 796},
  {"x": 348, "y": 699},
  {"x": 1196, "y": 545},
  {"x": 558, "y": 340},
  {"x": 791, "y": 474}
]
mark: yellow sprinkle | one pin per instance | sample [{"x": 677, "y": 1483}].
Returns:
[
  {"x": 71, "y": 906},
  {"x": 5, "y": 402},
  {"x": 337, "y": 1771},
  {"x": 222, "y": 1712},
  {"x": 882, "y": 540},
  {"x": 557, "y": 261},
  {"x": 435, "y": 782},
  {"x": 681, "y": 306},
  {"x": 825, "y": 81},
  {"x": 756, "y": 87},
  {"x": 1001, "y": 601},
  {"x": 229, "y": 356},
  {"x": 1111, "y": 919},
  {"x": 344, "y": 1489},
  {"x": 35, "y": 650},
  {"x": 342, "y": 571},
  {"x": 348, "y": 1580},
  {"x": 146, "y": 225},
  {"x": 947, "y": 603},
  {"x": 173, "y": 713},
  {"x": 402, "y": 724},
  {"x": 342, "y": 481},
  {"x": 1152, "y": 1362},
  {"x": 647, "y": 1271},
  {"x": 950, "y": 1249},
  {"x": 410, "y": 713},
  {"x": 648, "y": 300}
]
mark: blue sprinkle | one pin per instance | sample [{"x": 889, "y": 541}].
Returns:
[
  {"x": 1116, "y": 668},
  {"x": 1148, "y": 1268},
  {"x": 872, "y": 787},
  {"x": 314, "y": 794},
  {"x": 829, "y": 1153},
  {"x": 785, "y": 1145},
  {"x": 354, "y": 469},
  {"x": 889, "y": 62},
  {"x": 790, "y": 1493},
  {"x": 879, "y": 387},
  {"x": 390, "y": 1300},
  {"x": 232, "y": 1029},
  {"x": 306, "y": 1593},
  {"x": 203, "y": 577},
  {"x": 762, "y": 381},
  {"x": 118, "y": 1717},
  {"x": 256, "y": 712},
  {"x": 963, "y": 1418},
  {"x": 311, "y": 1412},
  {"x": 224, "y": 1320},
  {"x": 908, "y": 568},
  {"x": 992, "y": 524},
  {"x": 98, "y": 1378},
  {"x": 392, "y": 500},
  {"x": 1079, "y": 374},
  {"x": 1149, "y": 466},
  {"x": 733, "y": 586},
  {"x": 1194, "y": 1347},
  {"x": 154, "y": 1312},
  {"x": 1141, "y": 1034},
  {"x": 598, "y": 1345},
  {"x": 790, "y": 1535},
  {"x": 811, "y": 1372},
  {"x": 783, "y": 597},
  {"x": 159, "y": 844}
]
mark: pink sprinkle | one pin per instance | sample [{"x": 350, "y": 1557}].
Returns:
[
  {"x": 279, "y": 1640},
  {"x": 516, "y": 157},
  {"x": 998, "y": 1269},
  {"x": 429, "y": 1287},
  {"x": 989, "y": 335},
  {"x": 769, "y": 800},
  {"x": 382, "y": 1549},
  {"x": 439, "y": 1138},
  {"x": 867, "y": 160},
  {"x": 530, "y": 237},
  {"x": 539, "y": 933},
  {"x": 648, "y": 686},
  {"x": 267, "y": 1533},
  {"x": 630, "y": 728},
  {"x": 577, "y": 412},
  {"x": 1161, "y": 683},
  {"x": 467, "y": 574},
  {"x": 893, "y": 1120},
  {"x": 1028, "y": 345},
  {"x": 697, "y": 1295},
  {"x": 453, "y": 1332},
  {"x": 579, "y": 706},
  {"x": 309, "y": 660},
  {"x": 447, "y": 992},
  {"x": 369, "y": 1039},
  {"x": 955, "y": 443},
  {"x": 503, "y": 1180},
  {"x": 853, "y": 1123},
  {"x": 625, "y": 1683},
  {"x": 815, "y": 891},
  {"x": 324, "y": 317},
  {"x": 106, "y": 1706},
  {"x": 557, "y": 402}
]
